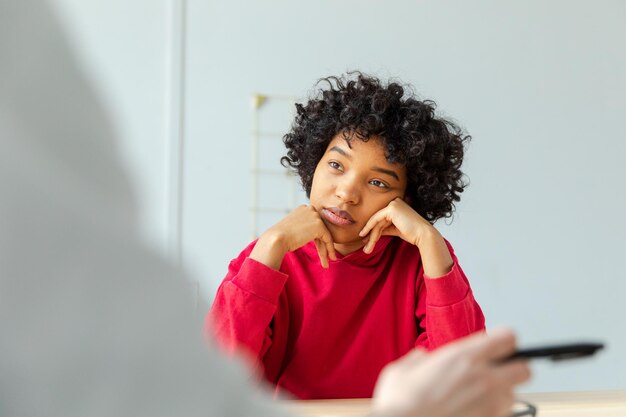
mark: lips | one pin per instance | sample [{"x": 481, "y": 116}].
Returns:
[{"x": 337, "y": 217}]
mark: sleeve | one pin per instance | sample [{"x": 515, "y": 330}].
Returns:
[
  {"x": 446, "y": 309},
  {"x": 242, "y": 313}
]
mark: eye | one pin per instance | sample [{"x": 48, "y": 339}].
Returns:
[
  {"x": 378, "y": 184},
  {"x": 335, "y": 165}
]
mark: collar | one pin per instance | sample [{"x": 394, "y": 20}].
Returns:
[{"x": 358, "y": 257}]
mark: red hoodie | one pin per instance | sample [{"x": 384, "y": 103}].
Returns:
[{"x": 327, "y": 333}]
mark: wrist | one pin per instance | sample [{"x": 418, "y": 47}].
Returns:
[
  {"x": 274, "y": 239},
  {"x": 436, "y": 258},
  {"x": 270, "y": 249},
  {"x": 428, "y": 235}
]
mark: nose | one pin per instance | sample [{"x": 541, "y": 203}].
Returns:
[{"x": 348, "y": 191}]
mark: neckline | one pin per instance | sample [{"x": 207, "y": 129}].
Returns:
[{"x": 358, "y": 257}]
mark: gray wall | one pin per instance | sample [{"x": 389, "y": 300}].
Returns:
[{"x": 540, "y": 86}]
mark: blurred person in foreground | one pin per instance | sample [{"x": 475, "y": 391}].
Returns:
[{"x": 94, "y": 323}]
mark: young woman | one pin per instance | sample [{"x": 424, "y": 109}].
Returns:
[{"x": 329, "y": 295}]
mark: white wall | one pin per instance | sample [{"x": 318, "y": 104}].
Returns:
[
  {"x": 540, "y": 85},
  {"x": 126, "y": 48}
]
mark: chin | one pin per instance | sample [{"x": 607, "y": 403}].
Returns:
[{"x": 343, "y": 238}]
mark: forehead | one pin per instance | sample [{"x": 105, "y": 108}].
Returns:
[{"x": 373, "y": 150}]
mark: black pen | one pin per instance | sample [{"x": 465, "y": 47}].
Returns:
[{"x": 557, "y": 352}]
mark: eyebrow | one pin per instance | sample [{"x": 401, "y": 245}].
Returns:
[
  {"x": 377, "y": 169},
  {"x": 340, "y": 151},
  {"x": 387, "y": 171}
]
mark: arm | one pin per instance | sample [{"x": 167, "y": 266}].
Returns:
[
  {"x": 399, "y": 219},
  {"x": 446, "y": 309},
  {"x": 244, "y": 306},
  {"x": 247, "y": 299}
]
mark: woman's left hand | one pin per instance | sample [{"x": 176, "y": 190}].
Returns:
[{"x": 397, "y": 219}]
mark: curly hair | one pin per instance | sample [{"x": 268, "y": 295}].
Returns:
[{"x": 362, "y": 106}]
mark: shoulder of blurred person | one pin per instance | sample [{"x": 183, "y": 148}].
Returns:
[{"x": 94, "y": 323}]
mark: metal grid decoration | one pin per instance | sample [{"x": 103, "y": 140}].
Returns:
[{"x": 275, "y": 191}]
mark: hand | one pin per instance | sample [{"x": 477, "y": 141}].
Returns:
[
  {"x": 298, "y": 228},
  {"x": 397, "y": 219},
  {"x": 462, "y": 378}
]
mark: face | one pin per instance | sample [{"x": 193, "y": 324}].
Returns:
[{"x": 350, "y": 184}]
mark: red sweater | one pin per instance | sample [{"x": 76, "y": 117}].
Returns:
[{"x": 328, "y": 333}]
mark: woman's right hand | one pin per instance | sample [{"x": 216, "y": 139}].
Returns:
[{"x": 298, "y": 228}]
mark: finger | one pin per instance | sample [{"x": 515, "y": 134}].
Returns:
[
  {"x": 331, "y": 251},
  {"x": 513, "y": 373},
  {"x": 322, "y": 252},
  {"x": 501, "y": 343},
  {"x": 497, "y": 345},
  {"x": 374, "y": 236},
  {"x": 326, "y": 239},
  {"x": 376, "y": 217},
  {"x": 413, "y": 357},
  {"x": 330, "y": 248},
  {"x": 415, "y": 354},
  {"x": 391, "y": 230}
]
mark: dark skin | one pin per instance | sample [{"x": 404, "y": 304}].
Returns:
[{"x": 357, "y": 196}]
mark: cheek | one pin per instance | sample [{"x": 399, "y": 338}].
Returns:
[
  {"x": 378, "y": 203},
  {"x": 316, "y": 187}
]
